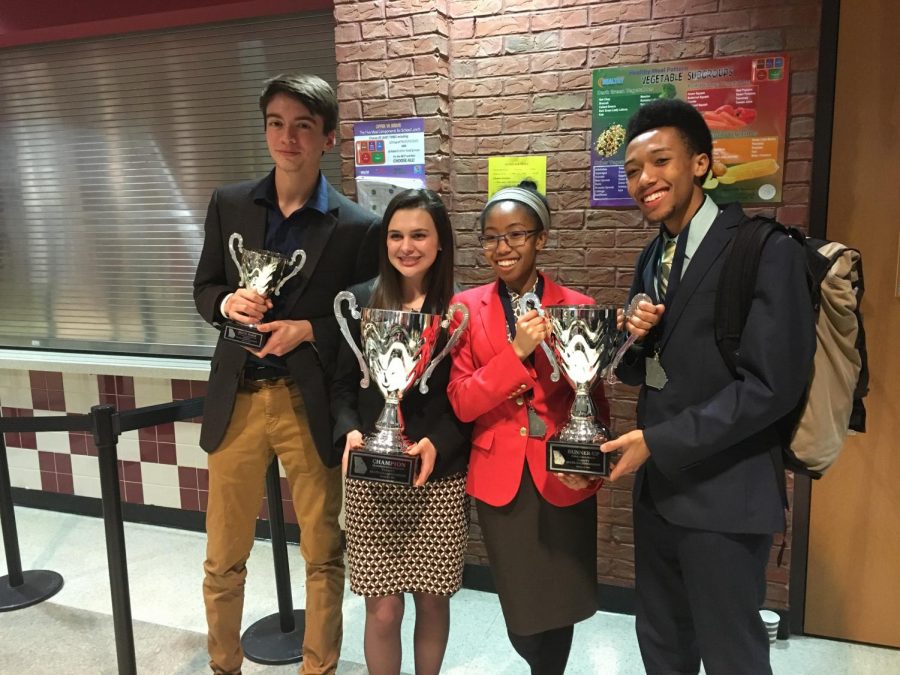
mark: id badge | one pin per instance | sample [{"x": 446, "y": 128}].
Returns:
[
  {"x": 536, "y": 426},
  {"x": 654, "y": 374}
]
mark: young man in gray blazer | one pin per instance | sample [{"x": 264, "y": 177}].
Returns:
[
  {"x": 709, "y": 489},
  {"x": 274, "y": 401}
]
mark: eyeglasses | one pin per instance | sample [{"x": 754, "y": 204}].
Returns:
[{"x": 513, "y": 239}]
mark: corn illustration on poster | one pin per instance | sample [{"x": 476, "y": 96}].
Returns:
[{"x": 743, "y": 100}]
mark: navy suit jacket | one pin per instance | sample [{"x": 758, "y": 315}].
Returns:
[
  {"x": 341, "y": 249},
  {"x": 715, "y": 452}
]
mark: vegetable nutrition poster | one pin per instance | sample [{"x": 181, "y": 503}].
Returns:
[{"x": 743, "y": 100}]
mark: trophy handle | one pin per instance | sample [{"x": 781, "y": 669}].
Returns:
[
  {"x": 451, "y": 342},
  {"x": 536, "y": 302},
  {"x": 236, "y": 237},
  {"x": 610, "y": 374},
  {"x": 345, "y": 330},
  {"x": 299, "y": 253}
]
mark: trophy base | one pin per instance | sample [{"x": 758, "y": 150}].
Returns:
[
  {"x": 243, "y": 335},
  {"x": 380, "y": 467},
  {"x": 573, "y": 457}
]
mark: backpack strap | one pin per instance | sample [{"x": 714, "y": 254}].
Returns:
[
  {"x": 734, "y": 296},
  {"x": 737, "y": 283},
  {"x": 858, "y": 415}
]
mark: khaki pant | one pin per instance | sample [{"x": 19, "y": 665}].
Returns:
[{"x": 269, "y": 419}]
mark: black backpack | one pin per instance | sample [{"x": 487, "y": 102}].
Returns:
[{"x": 832, "y": 405}]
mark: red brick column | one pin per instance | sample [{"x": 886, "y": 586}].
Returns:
[
  {"x": 500, "y": 77},
  {"x": 393, "y": 62}
]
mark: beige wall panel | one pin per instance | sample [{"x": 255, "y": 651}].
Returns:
[{"x": 853, "y": 583}]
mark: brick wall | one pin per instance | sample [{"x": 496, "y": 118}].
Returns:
[
  {"x": 501, "y": 77},
  {"x": 393, "y": 60}
]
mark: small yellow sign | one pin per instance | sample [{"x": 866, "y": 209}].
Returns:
[{"x": 510, "y": 171}]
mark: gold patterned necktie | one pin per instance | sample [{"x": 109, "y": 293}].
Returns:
[{"x": 665, "y": 267}]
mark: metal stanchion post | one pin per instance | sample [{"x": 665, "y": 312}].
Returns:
[
  {"x": 105, "y": 438},
  {"x": 19, "y": 589},
  {"x": 278, "y": 638}
]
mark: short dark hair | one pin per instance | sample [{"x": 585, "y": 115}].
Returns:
[
  {"x": 311, "y": 90},
  {"x": 531, "y": 186},
  {"x": 673, "y": 112},
  {"x": 439, "y": 279}
]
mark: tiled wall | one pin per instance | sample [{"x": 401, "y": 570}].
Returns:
[
  {"x": 159, "y": 466},
  {"x": 66, "y": 462}
]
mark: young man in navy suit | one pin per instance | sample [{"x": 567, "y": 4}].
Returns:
[
  {"x": 709, "y": 489},
  {"x": 274, "y": 401}
]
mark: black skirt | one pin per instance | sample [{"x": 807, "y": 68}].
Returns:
[{"x": 543, "y": 559}]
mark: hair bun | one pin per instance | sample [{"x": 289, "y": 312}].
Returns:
[{"x": 528, "y": 184}]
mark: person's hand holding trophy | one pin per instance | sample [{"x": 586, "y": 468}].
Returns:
[
  {"x": 263, "y": 274},
  {"x": 586, "y": 343},
  {"x": 397, "y": 350}
]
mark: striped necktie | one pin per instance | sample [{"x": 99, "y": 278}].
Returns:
[{"x": 665, "y": 267}]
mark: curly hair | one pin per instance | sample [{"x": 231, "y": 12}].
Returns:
[{"x": 675, "y": 113}]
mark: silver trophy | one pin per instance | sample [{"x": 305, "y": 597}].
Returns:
[
  {"x": 587, "y": 345},
  {"x": 265, "y": 272},
  {"x": 397, "y": 350}
]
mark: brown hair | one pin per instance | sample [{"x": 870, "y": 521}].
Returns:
[
  {"x": 311, "y": 90},
  {"x": 439, "y": 278}
]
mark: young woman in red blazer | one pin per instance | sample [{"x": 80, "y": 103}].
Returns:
[{"x": 540, "y": 529}]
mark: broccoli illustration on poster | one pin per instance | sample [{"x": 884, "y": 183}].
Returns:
[{"x": 743, "y": 100}]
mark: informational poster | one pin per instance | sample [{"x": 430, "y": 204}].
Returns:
[
  {"x": 743, "y": 100},
  {"x": 510, "y": 171},
  {"x": 389, "y": 157}
]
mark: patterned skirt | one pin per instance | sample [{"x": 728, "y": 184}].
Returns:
[{"x": 402, "y": 539}]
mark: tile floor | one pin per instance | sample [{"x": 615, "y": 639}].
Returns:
[{"x": 165, "y": 577}]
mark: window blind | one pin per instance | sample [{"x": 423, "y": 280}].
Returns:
[{"x": 110, "y": 149}]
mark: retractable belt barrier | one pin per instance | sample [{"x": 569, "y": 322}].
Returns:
[{"x": 20, "y": 589}]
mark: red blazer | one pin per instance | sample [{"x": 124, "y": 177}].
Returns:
[{"x": 487, "y": 381}]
